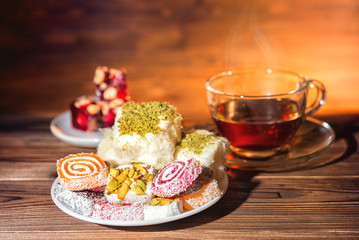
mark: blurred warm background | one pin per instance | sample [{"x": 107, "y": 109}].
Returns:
[{"x": 50, "y": 49}]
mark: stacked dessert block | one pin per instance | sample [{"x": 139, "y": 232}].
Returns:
[{"x": 90, "y": 113}]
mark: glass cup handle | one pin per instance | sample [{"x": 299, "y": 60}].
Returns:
[{"x": 319, "y": 97}]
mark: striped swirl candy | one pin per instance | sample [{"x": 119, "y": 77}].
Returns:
[
  {"x": 83, "y": 171},
  {"x": 175, "y": 177}
]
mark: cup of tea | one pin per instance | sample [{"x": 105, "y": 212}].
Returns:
[{"x": 260, "y": 110}]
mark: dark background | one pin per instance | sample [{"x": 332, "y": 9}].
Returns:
[{"x": 50, "y": 49}]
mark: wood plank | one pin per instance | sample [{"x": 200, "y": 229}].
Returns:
[{"x": 27, "y": 171}]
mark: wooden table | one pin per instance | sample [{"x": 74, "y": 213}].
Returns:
[{"x": 51, "y": 49}]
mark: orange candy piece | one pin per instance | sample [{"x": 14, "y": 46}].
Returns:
[
  {"x": 208, "y": 192},
  {"x": 83, "y": 171}
]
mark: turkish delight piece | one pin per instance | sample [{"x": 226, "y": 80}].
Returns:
[
  {"x": 81, "y": 202},
  {"x": 175, "y": 177},
  {"x": 156, "y": 209},
  {"x": 146, "y": 132},
  {"x": 129, "y": 184},
  {"x": 118, "y": 212},
  {"x": 85, "y": 114},
  {"x": 83, "y": 171},
  {"x": 110, "y": 84},
  {"x": 206, "y": 147},
  {"x": 89, "y": 114},
  {"x": 202, "y": 190}
]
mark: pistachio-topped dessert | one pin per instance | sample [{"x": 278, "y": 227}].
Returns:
[
  {"x": 209, "y": 149},
  {"x": 143, "y": 132},
  {"x": 197, "y": 141},
  {"x": 143, "y": 118},
  {"x": 128, "y": 184},
  {"x": 151, "y": 133}
]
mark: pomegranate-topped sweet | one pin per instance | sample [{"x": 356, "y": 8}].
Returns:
[{"x": 89, "y": 113}]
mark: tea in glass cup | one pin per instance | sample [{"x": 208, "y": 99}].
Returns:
[{"x": 260, "y": 110}]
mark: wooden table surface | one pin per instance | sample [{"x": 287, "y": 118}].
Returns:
[{"x": 49, "y": 52}]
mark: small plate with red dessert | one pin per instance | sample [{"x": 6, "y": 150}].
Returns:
[
  {"x": 81, "y": 125},
  {"x": 61, "y": 127}
]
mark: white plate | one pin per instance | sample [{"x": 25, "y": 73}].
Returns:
[
  {"x": 223, "y": 185},
  {"x": 61, "y": 127}
]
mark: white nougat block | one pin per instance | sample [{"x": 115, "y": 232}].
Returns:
[
  {"x": 156, "y": 150},
  {"x": 169, "y": 210},
  {"x": 212, "y": 155}
]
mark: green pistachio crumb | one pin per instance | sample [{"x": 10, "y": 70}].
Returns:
[
  {"x": 143, "y": 118},
  {"x": 196, "y": 141}
]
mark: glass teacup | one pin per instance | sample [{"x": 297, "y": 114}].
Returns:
[{"x": 260, "y": 110}]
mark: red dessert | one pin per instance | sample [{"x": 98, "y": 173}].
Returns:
[
  {"x": 175, "y": 177},
  {"x": 89, "y": 113},
  {"x": 110, "y": 84},
  {"x": 85, "y": 114}
]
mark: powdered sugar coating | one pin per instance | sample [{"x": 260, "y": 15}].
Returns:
[
  {"x": 208, "y": 192},
  {"x": 79, "y": 202},
  {"x": 125, "y": 212},
  {"x": 175, "y": 177}
]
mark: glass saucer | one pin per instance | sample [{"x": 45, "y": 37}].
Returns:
[{"x": 311, "y": 139}]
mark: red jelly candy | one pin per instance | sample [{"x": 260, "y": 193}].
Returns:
[
  {"x": 109, "y": 118},
  {"x": 85, "y": 114},
  {"x": 110, "y": 84},
  {"x": 175, "y": 177},
  {"x": 89, "y": 113}
]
